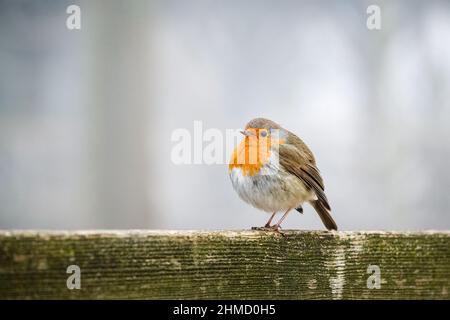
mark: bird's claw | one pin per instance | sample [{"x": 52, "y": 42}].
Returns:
[
  {"x": 262, "y": 228},
  {"x": 274, "y": 228}
]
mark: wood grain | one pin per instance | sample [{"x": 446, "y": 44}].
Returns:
[{"x": 224, "y": 264}]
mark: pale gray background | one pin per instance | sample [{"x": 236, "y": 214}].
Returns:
[{"x": 86, "y": 116}]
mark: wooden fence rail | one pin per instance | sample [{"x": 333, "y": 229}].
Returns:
[{"x": 225, "y": 265}]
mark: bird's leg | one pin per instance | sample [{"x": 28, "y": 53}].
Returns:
[
  {"x": 270, "y": 220},
  {"x": 267, "y": 226},
  {"x": 277, "y": 226}
]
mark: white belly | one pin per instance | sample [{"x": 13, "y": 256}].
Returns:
[{"x": 272, "y": 192}]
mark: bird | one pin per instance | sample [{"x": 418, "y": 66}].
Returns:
[{"x": 273, "y": 170}]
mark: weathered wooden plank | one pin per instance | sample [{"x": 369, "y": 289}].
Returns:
[{"x": 224, "y": 264}]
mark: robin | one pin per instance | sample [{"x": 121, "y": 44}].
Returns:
[{"x": 273, "y": 170}]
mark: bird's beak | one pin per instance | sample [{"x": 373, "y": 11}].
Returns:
[{"x": 247, "y": 133}]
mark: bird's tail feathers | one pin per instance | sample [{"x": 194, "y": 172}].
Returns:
[{"x": 324, "y": 214}]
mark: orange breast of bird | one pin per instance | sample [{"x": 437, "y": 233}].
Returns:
[{"x": 252, "y": 153}]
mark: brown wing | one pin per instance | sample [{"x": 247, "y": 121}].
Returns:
[
  {"x": 298, "y": 160},
  {"x": 301, "y": 147}
]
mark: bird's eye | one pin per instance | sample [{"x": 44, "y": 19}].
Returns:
[{"x": 263, "y": 133}]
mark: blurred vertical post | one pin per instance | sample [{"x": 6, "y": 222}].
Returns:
[{"x": 118, "y": 39}]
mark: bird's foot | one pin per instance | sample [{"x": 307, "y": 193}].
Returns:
[
  {"x": 268, "y": 228},
  {"x": 262, "y": 228}
]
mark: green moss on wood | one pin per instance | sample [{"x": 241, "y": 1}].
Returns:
[{"x": 224, "y": 264}]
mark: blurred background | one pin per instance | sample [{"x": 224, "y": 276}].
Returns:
[{"x": 86, "y": 116}]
